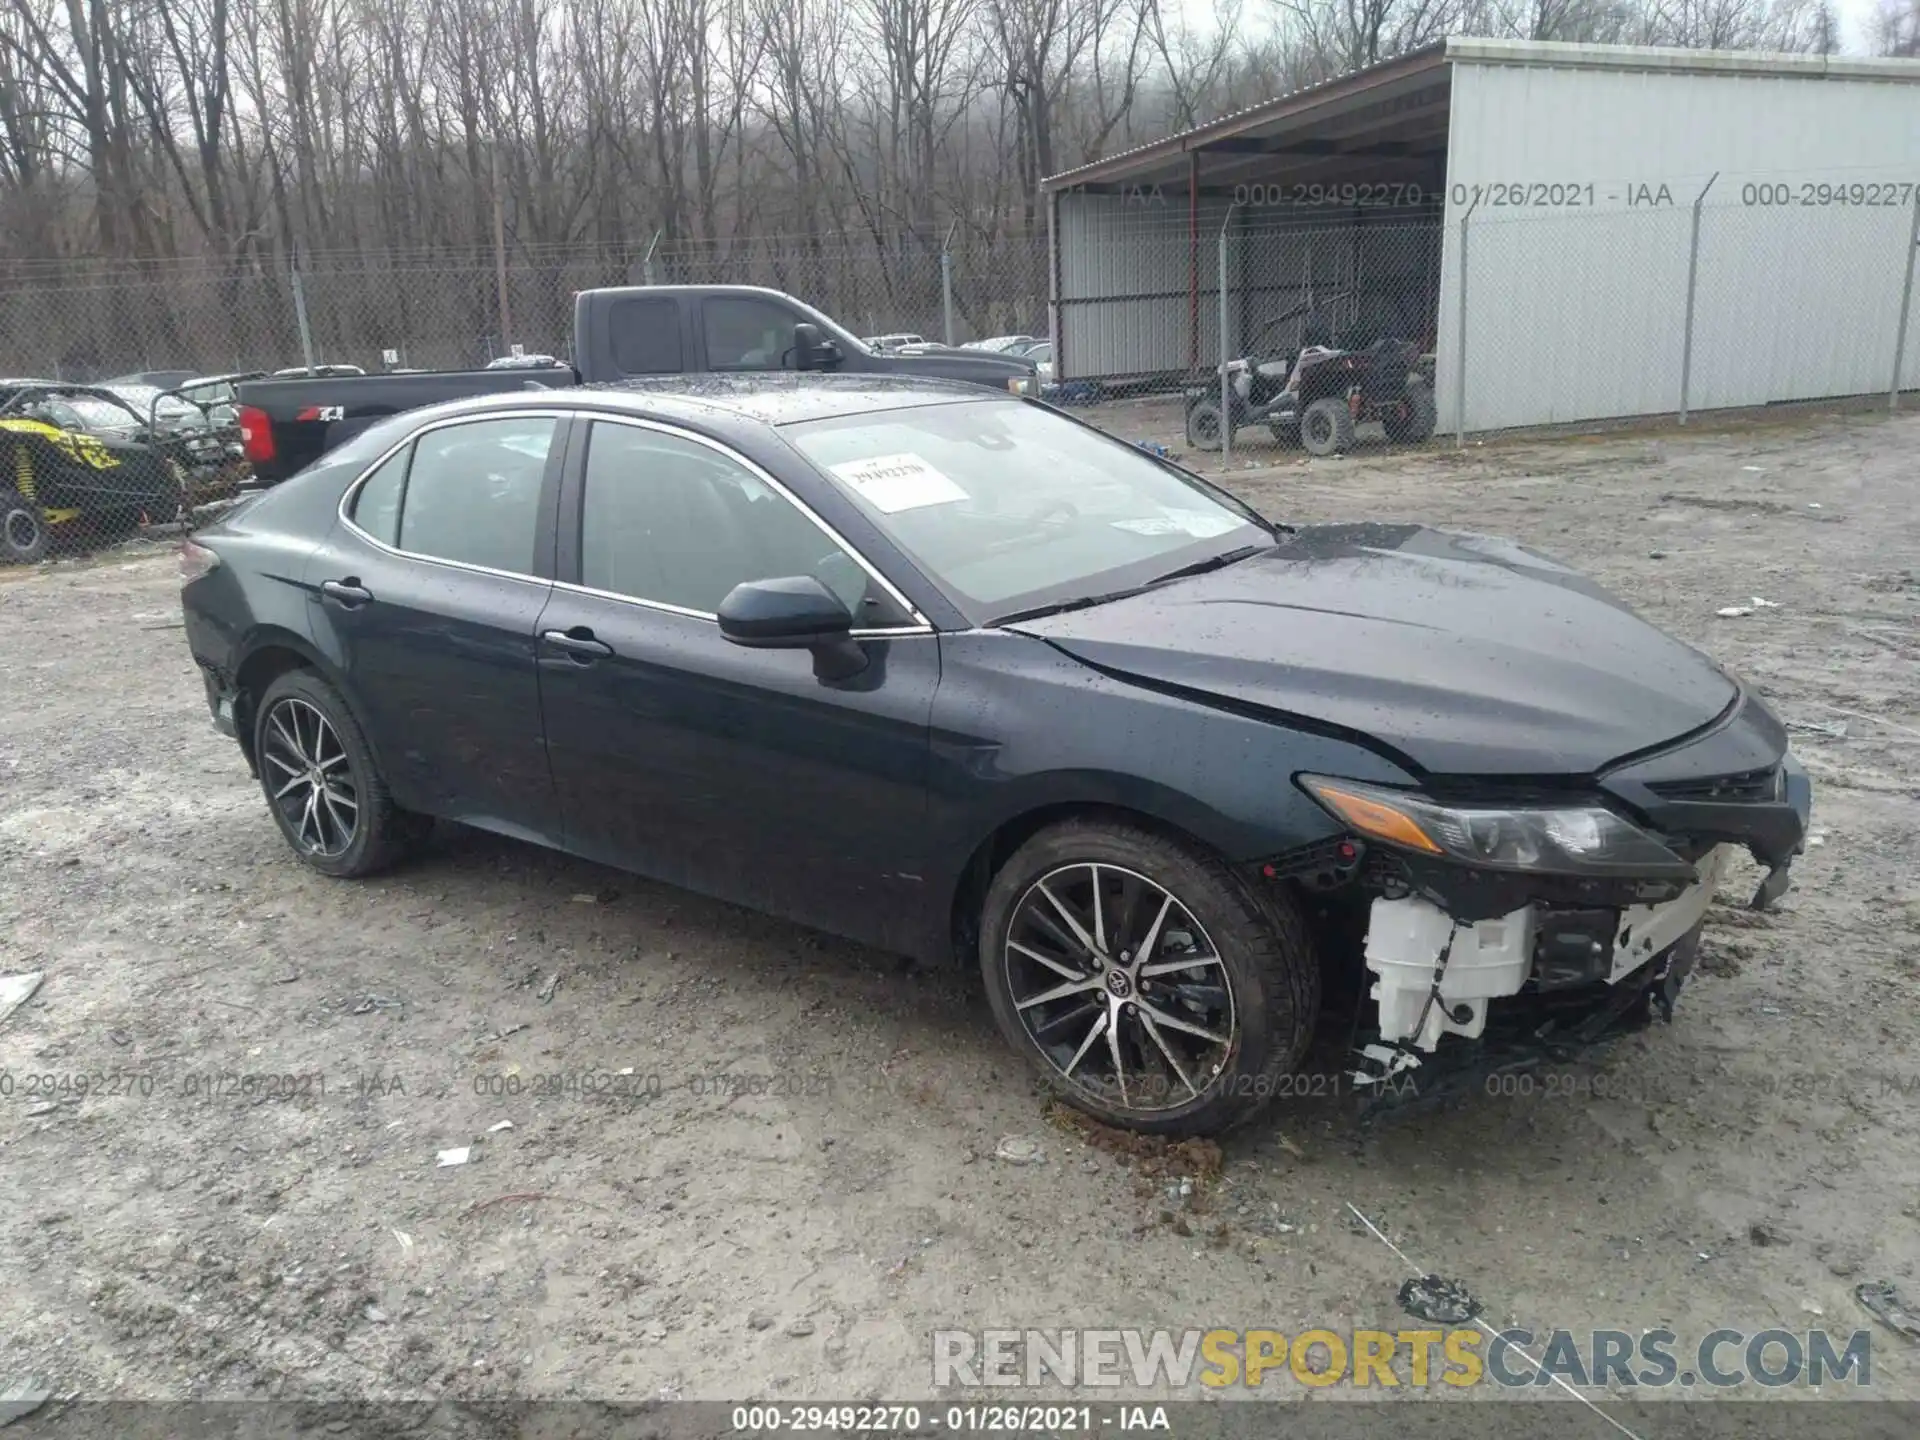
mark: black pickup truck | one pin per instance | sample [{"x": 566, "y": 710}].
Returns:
[{"x": 618, "y": 334}]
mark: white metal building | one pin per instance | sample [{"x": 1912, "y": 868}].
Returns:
[{"x": 1640, "y": 230}]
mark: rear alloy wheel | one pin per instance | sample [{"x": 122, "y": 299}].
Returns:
[
  {"x": 23, "y": 530},
  {"x": 1327, "y": 426},
  {"x": 1146, "y": 981},
  {"x": 321, "y": 783}
]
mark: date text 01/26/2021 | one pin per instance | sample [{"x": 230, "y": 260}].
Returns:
[
  {"x": 1661, "y": 194},
  {"x": 1008, "y": 1419}
]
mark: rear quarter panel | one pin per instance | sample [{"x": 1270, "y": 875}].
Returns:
[{"x": 258, "y": 595}]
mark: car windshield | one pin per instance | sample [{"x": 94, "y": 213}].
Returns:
[
  {"x": 97, "y": 414},
  {"x": 172, "y": 408},
  {"x": 1014, "y": 507}
]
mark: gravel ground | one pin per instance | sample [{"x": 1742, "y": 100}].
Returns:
[{"x": 763, "y": 1161}]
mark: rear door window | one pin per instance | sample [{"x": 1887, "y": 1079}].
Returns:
[
  {"x": 376, "y": 507},
  {"x": 646, "y": 336},
  {"x": 472, "y": 492}
]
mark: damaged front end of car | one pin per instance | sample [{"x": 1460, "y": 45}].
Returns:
[{"x": 1530, "y": 921}]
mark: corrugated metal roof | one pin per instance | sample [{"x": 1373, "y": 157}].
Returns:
[
  {"x": 1469, "y": 50},
  {"x": 1238, "y": 121}
]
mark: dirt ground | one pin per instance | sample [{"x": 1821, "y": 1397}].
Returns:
[{"x": 763, "y": 1162}]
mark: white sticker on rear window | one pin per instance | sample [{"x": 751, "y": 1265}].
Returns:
[
  {"x": 891, "y": 483},
  {"x": 1198, "y": 523}
]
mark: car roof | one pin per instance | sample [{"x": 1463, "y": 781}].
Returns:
[
  {"x": 770, "y": 399},
  {"x": 145, "y": 377},
  {"x": 59, "y": 388}
]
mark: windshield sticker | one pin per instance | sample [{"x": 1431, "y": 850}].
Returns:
[
  {"x": 891, "y": 483},
  {"x": 1198, "y": 523}
]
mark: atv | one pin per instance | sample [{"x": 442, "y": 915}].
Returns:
[
  {"x": 1319, "y": 393},
  {"x": 78, "y": 460}
]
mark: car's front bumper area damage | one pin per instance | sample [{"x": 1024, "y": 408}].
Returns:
[
  {"x": 1585, "y": 971},
  {"x": 1510, "y": 966}
]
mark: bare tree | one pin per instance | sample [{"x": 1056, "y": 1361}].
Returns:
[
  {"x": 246, "y": 132},
  {"x": 1896, "y": 28},
  {"x": 1046, "y": 46},
  {"x": 1344, "y": 35}
]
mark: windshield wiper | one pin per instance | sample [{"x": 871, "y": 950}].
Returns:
[
  {"x": 1083, "y": 602},
  {"x": 1212, "y": 562},
  {"x": 1060, "y": 607}
]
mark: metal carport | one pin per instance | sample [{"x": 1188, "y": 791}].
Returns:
[{"x": 1649, "y": 230}]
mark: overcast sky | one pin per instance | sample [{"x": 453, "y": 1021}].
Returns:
[
  {"x": 1856, "y": 19},
  {"x": 1856, "y": 24}
]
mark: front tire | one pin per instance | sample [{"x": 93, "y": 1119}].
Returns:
[
  {"x": 1204, "y": 425},
  {"x": 1148, "y": 983},
  {"x": 1326, "y": 426},
  {"x": 23, "y": 530},
  {"x": 321, "y": 783}
]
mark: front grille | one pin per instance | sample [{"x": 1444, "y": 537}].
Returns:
[{"x": 1749, "y": 787}]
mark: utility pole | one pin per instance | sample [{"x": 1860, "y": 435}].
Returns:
[{"x": 500, "y": 251}]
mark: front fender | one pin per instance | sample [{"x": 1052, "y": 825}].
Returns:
[{"x": 1019, "y": 727}]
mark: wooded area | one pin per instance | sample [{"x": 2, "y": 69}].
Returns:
[{"x": 233, "y": 133}]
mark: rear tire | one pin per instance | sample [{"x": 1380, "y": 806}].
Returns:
[
  {"x": 1415, "y": 421},
  {"x": 348, "y": 825},
  {"x": 23, "y": 530},
  {"x": 1326, "y": 426},
  {"x": 1204, "y": 1046},
  {"x": 1203, "y": 425}
]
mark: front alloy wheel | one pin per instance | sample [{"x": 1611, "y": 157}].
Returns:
[
  {"x": 1147, "y": 982},
  {"x": 1119, "y": 988}
]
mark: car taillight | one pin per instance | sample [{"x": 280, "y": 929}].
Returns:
[
  {"x": 195, "y": 561},
  {"x": 256, "y": 434}
]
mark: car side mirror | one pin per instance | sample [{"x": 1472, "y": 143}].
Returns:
[
  {"x": 806, "y": 346},
  {"x": 794, "y": 612},
  {"x": 812, "y": 350}
]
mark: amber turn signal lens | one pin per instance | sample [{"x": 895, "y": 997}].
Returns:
[{"x": 1374, "y": 817}]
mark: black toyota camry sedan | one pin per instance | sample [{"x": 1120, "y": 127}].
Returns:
[{"x": 942, "y": 671}]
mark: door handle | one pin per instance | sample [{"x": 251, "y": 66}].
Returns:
[
  {"x": 349, "y": 592},
  {"x": 578, "y": 642}
]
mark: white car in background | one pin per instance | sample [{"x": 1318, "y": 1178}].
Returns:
[{"x": 1002, "y": 344}]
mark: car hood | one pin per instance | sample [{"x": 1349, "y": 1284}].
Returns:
[{"x": 1462, "y": 654}]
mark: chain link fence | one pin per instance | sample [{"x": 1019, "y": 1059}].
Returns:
[
  {"x": 1500, "y": 316},
  {"x": 1320, "y": 326},
  {"x": 99, "y": 439},
  {"x": 1307, "y": 329}
]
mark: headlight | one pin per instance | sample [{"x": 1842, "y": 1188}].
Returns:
[{"x": 1572, "y": 839}]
